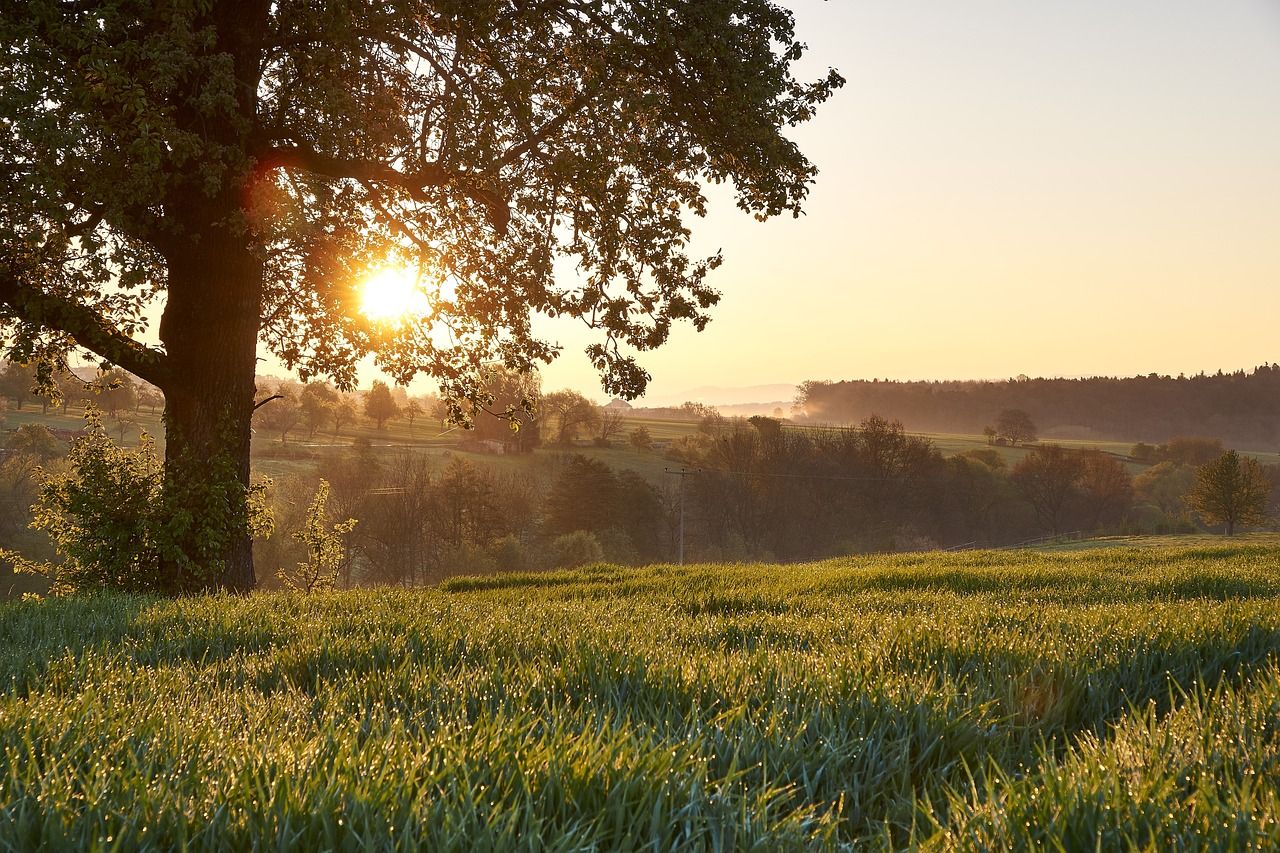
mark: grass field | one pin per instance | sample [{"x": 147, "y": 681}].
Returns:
[{"x": 1099, "y": 698}]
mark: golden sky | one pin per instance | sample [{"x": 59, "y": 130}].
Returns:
[{"x": 1057, "y": 187}]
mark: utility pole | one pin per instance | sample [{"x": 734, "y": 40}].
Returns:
[{"x": 682, "y": 472}]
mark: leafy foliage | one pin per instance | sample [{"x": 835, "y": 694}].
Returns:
[
  {"x": 326, "y": 550},
  {"x": 107, "y": 518},
  {"x": 579, "y": 548},
  {"x": 475, "y": 142},
  {"x": 1231, "y": 491},
  {"x": 379, "y": 405},
  {"x": 101, "y": 516}
]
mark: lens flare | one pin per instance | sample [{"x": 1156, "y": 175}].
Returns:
[{"x": 391, "y": 296}]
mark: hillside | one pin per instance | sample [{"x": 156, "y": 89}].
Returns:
[{"x": 1108, "y": 697}]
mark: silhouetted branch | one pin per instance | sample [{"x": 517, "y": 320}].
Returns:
[
  {"x": 262, "y": 403},
  {"x": 85, "y": 325},
  {"x": 304, "y": 158}
]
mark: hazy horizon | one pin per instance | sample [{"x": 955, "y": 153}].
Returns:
[{"x": 1051, "y": 189}]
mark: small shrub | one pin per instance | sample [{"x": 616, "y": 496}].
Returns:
[
  {"x": 110, "y": 523},
  {"x": 326, "y": 551},
  {"x": 576, "y": 549},
  {"x": 508, "y": 554}
]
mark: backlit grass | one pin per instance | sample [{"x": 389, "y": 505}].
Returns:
[{"x": 1122, "y": 697}]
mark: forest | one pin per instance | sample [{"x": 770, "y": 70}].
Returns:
[{"x": 1241, "y": 408}]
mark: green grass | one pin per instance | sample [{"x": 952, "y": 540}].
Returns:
[{"x": 1107, "y": 698}]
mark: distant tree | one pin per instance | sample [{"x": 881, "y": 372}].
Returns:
[
  {"x": 72, "y": 390},
  {"x": 411, "y": 410},
  {"x": 570, "y": 412},
  {"x": 35, "y": 441},
  {"x": 124, "y": 421},
  {"x": 1144, "y": 452},
  {"x": 582, "y": 497},
  {"x": 17, "y": 382},
  {"x": 282, "y": 414},
  {"x": 641, "y": 439},
  {"x": 575, "y": 549},
  {"x": 768, "y": 428},
  {"x": 316, "y": 402},
  {"x": 977, "y": 492},
  {"x": 1231, "y": 491},
  {"x": 1015, "y": 426},
  {"x": 439, "y": 410},
  {"x": 379, "y": 405},
  {"x": 116, "y": 391},
  {"x": 151, "y": 397},
  {"x": 640, "y": 514},
  {"x": 506, "y": 419},
  {"x": 695, "y": 411},
  {"x": 608, "y": 425},
  {"x": 713, "y": 423},
  {"x": 1166, "y": 487},
  {"x": 508, "y": 554},
  {"x": 344, "y": 412},
  {"x": 1049, "y": 479},
  {"x": 1106, "y": 489},
  {"x": 1192, "y": 450}
]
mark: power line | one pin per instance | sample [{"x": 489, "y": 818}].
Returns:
[{"x": 788, "y": 476}]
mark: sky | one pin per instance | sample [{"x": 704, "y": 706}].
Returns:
[{"x": 1050, "y": 188}]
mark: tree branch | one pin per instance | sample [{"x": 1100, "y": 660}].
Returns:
[
  {"x": 303, "y": 158},
  {"x": 85, "y": 326},
  {"x": 261, "y": 403}
]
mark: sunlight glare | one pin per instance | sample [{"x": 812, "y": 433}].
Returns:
[{"x": 391, "y": 295}]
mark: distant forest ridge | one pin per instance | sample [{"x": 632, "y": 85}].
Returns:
[{"x": 1241, "y": 408}]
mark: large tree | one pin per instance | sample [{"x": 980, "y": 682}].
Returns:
[
  {"x": 379, "y": 405},
  {"x": 240, "y": 167},
  {"x": 1231, "y": 491}
]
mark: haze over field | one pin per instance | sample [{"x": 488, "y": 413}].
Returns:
[{"x": 1048, "y": 188}]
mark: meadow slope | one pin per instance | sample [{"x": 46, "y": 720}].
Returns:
[{"x": 1123, "y": 697}]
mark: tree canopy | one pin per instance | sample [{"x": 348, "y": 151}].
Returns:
[
  {"x": 1232, "y": 491},
  {"x": 477, "y": 143},
  {"x": 241, "y": 168}
]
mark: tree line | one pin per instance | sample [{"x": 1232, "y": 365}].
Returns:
[
  {"x": 1241, "y": 408},
  {"x": 761, "y": 489}
]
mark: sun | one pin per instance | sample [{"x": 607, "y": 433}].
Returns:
[{"x": 390, "y": 296}]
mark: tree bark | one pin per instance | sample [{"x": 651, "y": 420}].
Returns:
[{"x": 209, "y": 329}]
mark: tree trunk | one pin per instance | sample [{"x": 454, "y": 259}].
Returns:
[{"x": 210, "y": 330}]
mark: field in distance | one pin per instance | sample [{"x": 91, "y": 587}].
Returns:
[
  {"x": 1100, "y": 697},
  {"x": 301, "y": 453}
]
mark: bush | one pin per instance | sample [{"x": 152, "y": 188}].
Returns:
[
  {"x": 100, "y": 515},
  {"x": 466, "y": 559},
  {"x": 641, "y": 439},
  {"x": 617, "y": 547},
  {"x": 109, "y": 520},
  {"x": 576, "y": 549},
  {"x": 508, "y": 554},
  {"x": 326, "y": 551}
]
